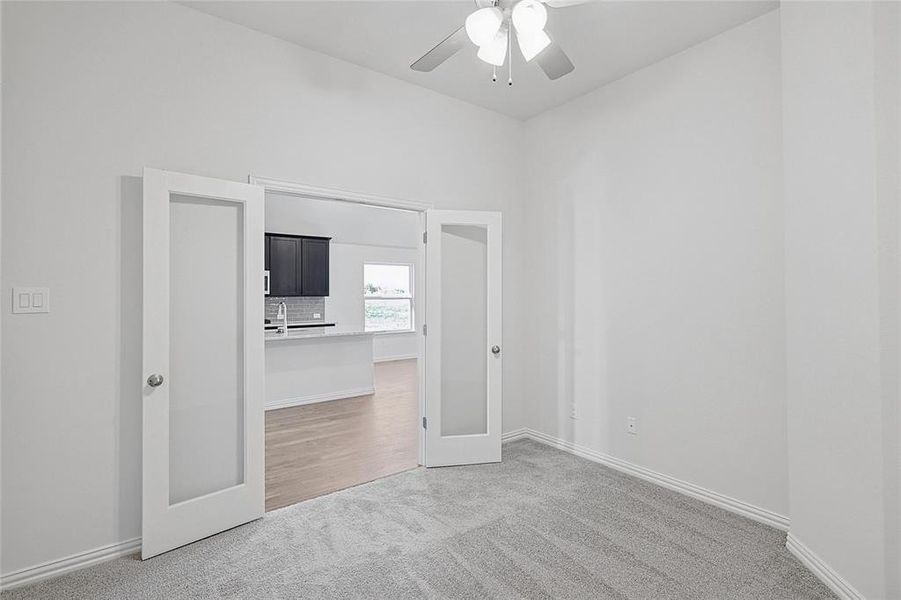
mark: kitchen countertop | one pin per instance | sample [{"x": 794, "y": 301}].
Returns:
[
  {"x": 300, "y": 324},
  {"x": 314, "y": 333}
]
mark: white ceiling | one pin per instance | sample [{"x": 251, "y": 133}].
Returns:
[{"x": 605, "y": 40}]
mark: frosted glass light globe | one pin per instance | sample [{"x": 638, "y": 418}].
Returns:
[
  {"x": 529, "y": 16},
  {"x": 531, "y": 44},
  {"x": 482, "y": 25},
  {"x": 495, "y": 51}
]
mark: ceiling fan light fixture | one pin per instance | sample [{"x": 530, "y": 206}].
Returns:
[
  {"x": 495, "y": 52},
  {"x": 483, "y": 25},
  {"x": 492, "y": 28},
  {"x": 529, "y": 16},
  {"x": 531, "y": 44}
]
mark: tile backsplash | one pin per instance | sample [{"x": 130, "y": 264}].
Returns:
[{"x": 300, "y": 308}]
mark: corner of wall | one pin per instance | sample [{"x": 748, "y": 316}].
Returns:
[{"x": 840, "y": 65}]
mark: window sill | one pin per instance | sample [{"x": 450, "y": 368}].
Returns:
[{"x": 391, "y": 331}]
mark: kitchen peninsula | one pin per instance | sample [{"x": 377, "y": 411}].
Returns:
[{"x": 316, "y": 364}]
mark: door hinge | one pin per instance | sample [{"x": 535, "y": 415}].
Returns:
[
  {"x": 425, "y": 423},
  {"x": 425, "y": 329},
  {"x": 425, "y": 237}
]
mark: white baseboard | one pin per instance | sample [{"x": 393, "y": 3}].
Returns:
[
  {"x": 734, "y": 505},
  {"x": 288, "y": 402},
  {"x": 824, "y": 572},
  {"x": 516, "y": 434},
  {"x": 382, "y": 359},
  {"x": 55, "y": 568}
]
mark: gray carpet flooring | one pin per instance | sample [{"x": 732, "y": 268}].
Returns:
[{"x": 541, "y": 524}]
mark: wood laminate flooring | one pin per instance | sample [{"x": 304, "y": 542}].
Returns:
[{"x": 320, "y": 448}]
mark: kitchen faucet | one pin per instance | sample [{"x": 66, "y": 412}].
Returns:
[{"x": 283, "y": 317}]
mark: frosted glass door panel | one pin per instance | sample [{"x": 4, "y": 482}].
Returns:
[
  {"x": 206, "y": 393},
  {"x": 464, "y": 339}
]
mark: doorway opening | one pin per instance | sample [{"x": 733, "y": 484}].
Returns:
[{"x": 343, "y": 352}]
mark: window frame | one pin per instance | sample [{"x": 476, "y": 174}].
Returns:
[{"x": 409, "y": 298}]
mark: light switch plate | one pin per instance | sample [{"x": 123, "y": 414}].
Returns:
[{"x": 31, "y": 300}]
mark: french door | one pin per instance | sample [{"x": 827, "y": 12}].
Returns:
[
  {"x": 463, "y": 342},
  {"x": 203, "y": 429}
]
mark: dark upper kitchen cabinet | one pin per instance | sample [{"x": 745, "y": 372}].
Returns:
[
  {"x": 284, "y": 266},
  {"x": 314, "y": 266},
  {"x": 297, "y": 265}
]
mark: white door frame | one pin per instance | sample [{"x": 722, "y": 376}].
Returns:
[{"x": 338, "y": 195}]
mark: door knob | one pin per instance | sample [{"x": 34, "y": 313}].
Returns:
[
  {"x": 495, "y": 350},
  {"x": 155, "y": 380}
]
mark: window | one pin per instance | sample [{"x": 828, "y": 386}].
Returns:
[{"x": 388, "y": 297}]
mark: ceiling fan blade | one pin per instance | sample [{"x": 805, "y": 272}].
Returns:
[
  {"x": 443, "y": 51},
  {"x": 554, "y": 61},
  {"x": 564, "y": 3}
]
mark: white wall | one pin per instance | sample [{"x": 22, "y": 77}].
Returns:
[
  {"x": 344, "y": 222},
  {"x": 657, "y": 285},
  {"x": 841, "y": 238},
  {"x": 345, "y": 302},
  {"x": 887, "y": 20},
  {"x": 360, "y": 234},
  {"x": 395, "y": 346},
  {"x": 92, "y": 93}
]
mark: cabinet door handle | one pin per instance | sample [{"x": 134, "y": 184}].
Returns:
[
  {"x": 155, "y": 380},
  {"x": 495, "y": 350},
  {"x": 266, "y": 282}
]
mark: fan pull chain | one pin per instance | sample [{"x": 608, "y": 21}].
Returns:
[
  {"x": 494, "y": 74},
  {"x": 510, "y": 56}
]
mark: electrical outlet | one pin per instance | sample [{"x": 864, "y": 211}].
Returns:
[{"x": 632, "y": 425}]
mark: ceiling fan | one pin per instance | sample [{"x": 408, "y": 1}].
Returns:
[{"x": 492, "y": 28}]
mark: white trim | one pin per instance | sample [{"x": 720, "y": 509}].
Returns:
[
  {"x": 383, "y": 359},
  {"x": 315, "y": 398},
  {"x": 516, "y": 434},
  {"x": 73, "y": 562},
  {"x": 824, "y": 572},
  {"x": 419, "y": 281},
  {"x": 322, "y": 193},
  {"x": 392, "y": 332},
  {"x": 756, "y": 513}
]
